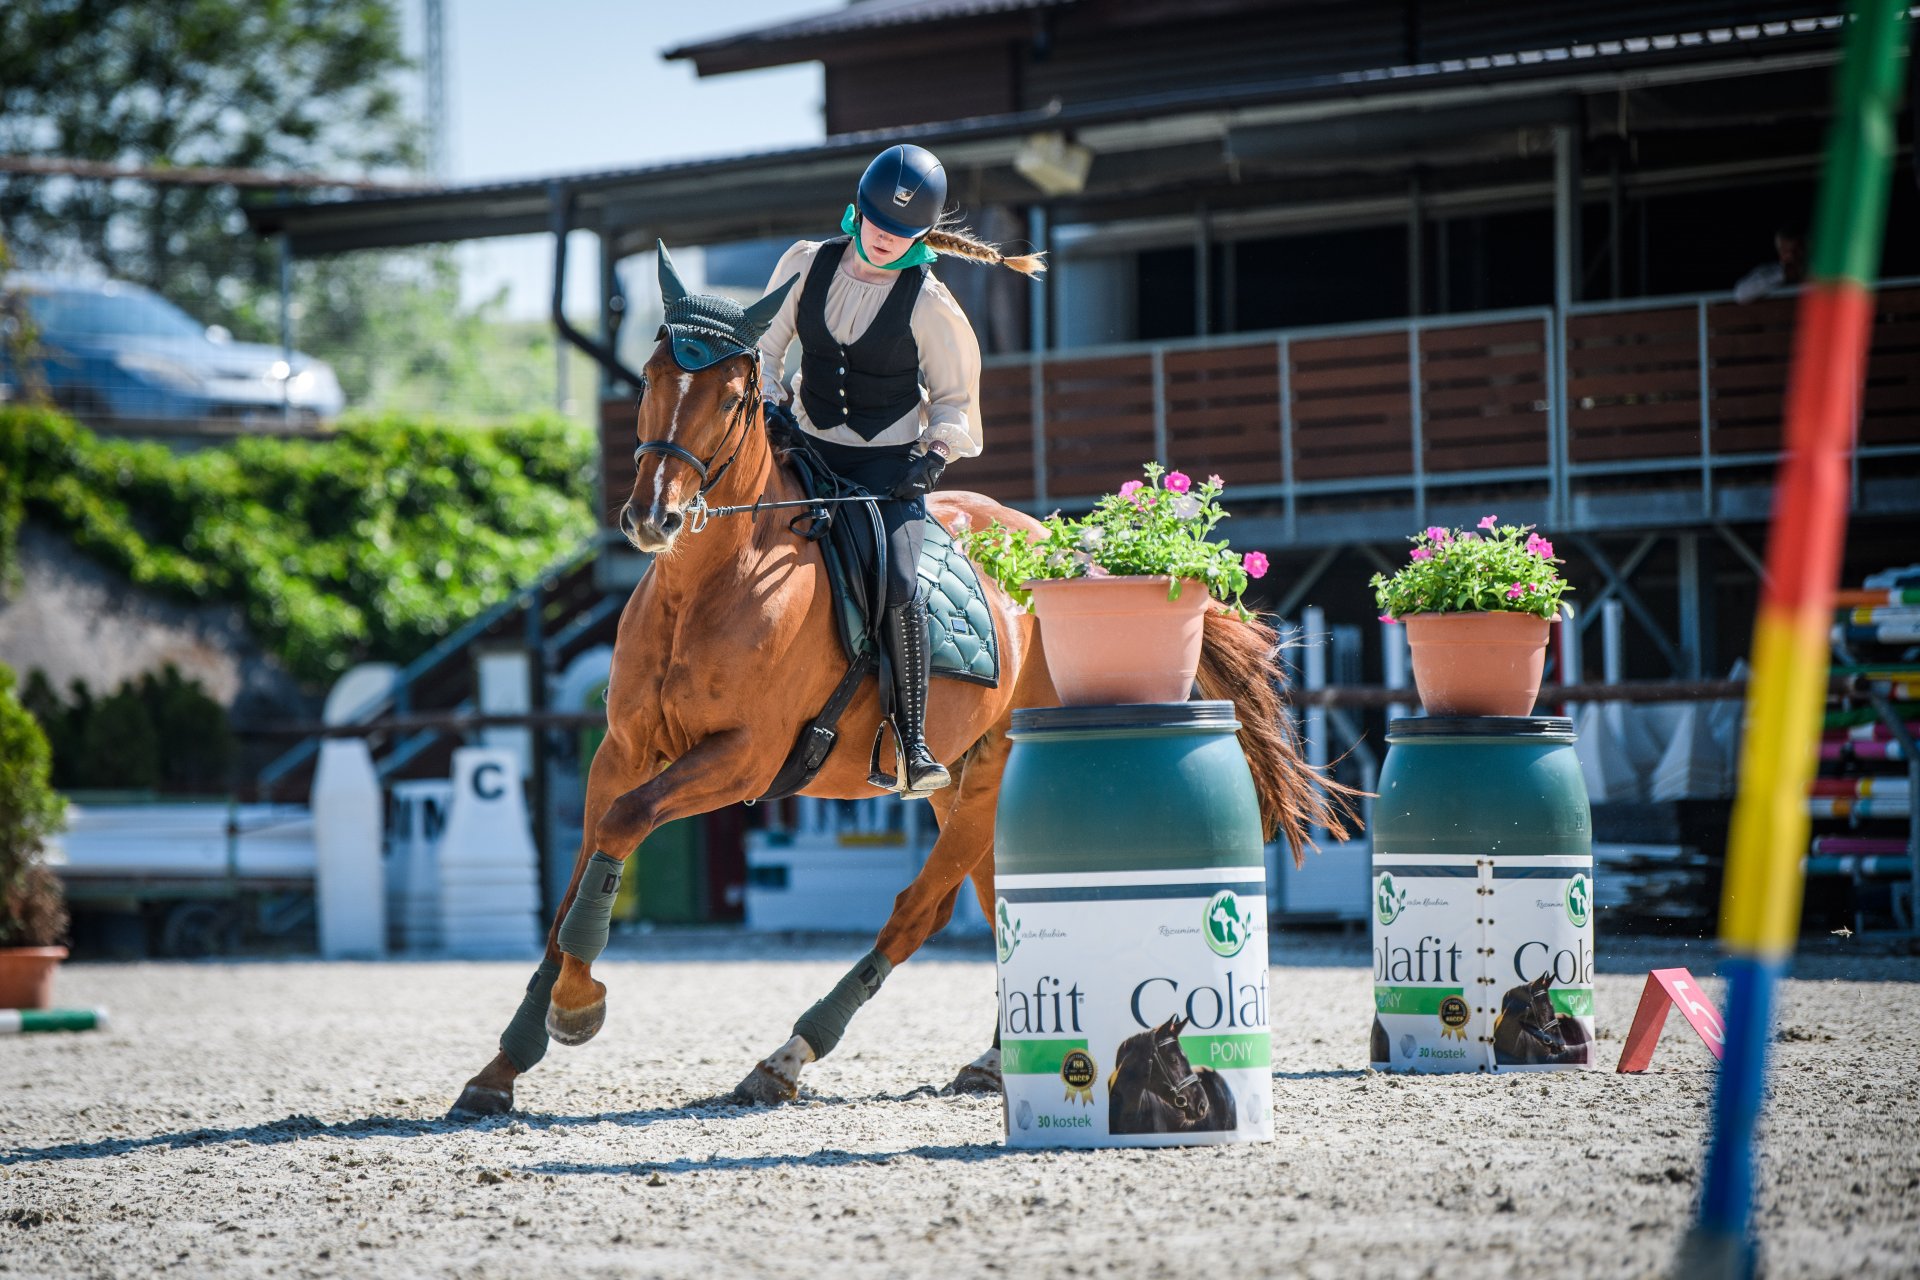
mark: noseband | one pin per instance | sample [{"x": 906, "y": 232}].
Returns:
[{"x": 710, "y": 475}]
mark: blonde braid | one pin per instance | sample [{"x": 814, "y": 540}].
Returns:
[{"x": 951, "y": 237}]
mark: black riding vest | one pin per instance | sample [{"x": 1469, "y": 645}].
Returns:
[{"x": 872, "y": 382}]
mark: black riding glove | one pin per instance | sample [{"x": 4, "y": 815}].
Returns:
[
  {"x": 783, "y": 429},
  {"x": 921, "y": 475}
]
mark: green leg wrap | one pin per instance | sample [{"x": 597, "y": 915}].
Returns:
[
  {"x": 583, "y": 934},
  {"x": 823, "y": 1025},
  {"x": 525, "y": 1039}
]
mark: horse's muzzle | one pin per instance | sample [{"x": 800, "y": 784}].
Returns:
[{"x": 649, "y": 535}]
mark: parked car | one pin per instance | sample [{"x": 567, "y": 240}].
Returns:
[{"x": 117, "y": 355}]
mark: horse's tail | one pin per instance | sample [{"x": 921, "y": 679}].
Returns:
[{"x": 1239, "y": 661}]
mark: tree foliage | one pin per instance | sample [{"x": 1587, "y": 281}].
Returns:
[
  {"x": 117, "y": 742},
  {"x": 294, "y": 85},
  {"x": 31, "y": 911},
  {"x": 369, "y": 544}
]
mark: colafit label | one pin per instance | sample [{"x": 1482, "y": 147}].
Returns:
[
  {"x": 1133, "y": 1007},
  {"x": 1482, "y": 963}
]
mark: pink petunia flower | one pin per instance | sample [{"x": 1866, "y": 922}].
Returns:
[
  {"x": 1539, "y": 546},
  {"x": 1438, "y": 535},
  {"x": 1515, "y": 591},
  {"x": 1486, "y": 522},
  {"x": 1255, "y": 563},
  {"x": 1178, "y": 482},
  {"x": 1216, "y": 482},
  {"x": 1420, "y": 553},
  {"x": 1387, "y": 617},
  {"x": 1130, "y": 488}
]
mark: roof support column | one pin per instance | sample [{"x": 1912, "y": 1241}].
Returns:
[
  {"x": 1202, "y": 273},
  {"x": 613, "y": 303},
  {"x": 1040, "y": 310},
  {"x": 1416, "y": 247},
  {"x": 1566, "y": 216}
]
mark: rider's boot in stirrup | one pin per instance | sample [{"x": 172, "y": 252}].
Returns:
[{"x": 907, "y": 641}]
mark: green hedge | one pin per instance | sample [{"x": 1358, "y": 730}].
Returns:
[{"x": 367, "y": 544}]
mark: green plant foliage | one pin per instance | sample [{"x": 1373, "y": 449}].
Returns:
[
  {"x": 161, "y": 732},
  {"x": 1497, "y": 568},
  {"x": 369, "y": 544},
  {"x": 1160, "y": 526},
  {"x": 31, "y": 912}
]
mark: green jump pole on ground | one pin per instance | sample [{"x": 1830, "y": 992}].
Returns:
[
  {"x": 15, "y": 1022},
  {"x": 1760, "y": 905}
]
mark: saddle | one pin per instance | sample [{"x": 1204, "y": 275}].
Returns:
[{"x": 960, "y": 633}]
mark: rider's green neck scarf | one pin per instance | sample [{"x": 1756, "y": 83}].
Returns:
[{"x": 918, "y": 256}]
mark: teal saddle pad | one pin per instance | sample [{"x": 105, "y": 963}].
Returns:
[{"x": 959, "y": 622}]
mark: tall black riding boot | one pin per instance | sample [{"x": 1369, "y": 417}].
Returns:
[{"x": 912, "y": 661}]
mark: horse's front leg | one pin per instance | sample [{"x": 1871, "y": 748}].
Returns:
[
  {"x": 707, "y": 777},
  {"x": 922, "y": 909}
]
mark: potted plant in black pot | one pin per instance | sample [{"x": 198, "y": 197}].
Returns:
[{"x": 33, "y": 909}]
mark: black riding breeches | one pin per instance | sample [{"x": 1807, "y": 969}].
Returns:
[{"x": 877, "y": 468}]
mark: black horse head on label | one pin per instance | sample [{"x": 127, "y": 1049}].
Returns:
[
  {"x": 1154, "y": 1088},
  {"x": 1528, "y": 1031}
]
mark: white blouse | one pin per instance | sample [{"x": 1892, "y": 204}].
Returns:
[{"x": 949, "y": 409}]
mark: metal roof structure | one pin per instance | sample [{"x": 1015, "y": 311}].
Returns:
[
  {"x": 862, "y": 15},
  {"x": 1145, "y": 147}
]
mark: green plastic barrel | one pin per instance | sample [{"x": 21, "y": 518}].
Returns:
[
  {"x": 1482, "y": 897},
  {"x": 1130, "y": 929}
]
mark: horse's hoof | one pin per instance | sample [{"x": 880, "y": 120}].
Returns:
[
  {"x": 974, "y": 1079},
  {"x": 477, "y": 1101},
  {"x": 982, "y": 1075},
  {"x": 765, "y": 1087},
  {"x": 576, "y": 1026}
]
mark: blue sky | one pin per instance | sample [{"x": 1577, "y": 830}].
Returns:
[{"x": 575, "y": 85}]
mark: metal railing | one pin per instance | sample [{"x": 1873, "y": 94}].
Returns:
[{"x": 1669, "y": 392}]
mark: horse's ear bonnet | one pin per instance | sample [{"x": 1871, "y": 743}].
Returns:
[{"x": 702, "y": 329}]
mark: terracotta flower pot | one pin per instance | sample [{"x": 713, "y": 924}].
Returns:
[
  {"x": 1477, "y": 664},
  {"x": 26, "y": 976},
  {"x": 1119, "y": 639}
]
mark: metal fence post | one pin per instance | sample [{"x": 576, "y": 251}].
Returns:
[
  {"x": 1286, "y": 439},
  {"x": 1037, "y": 408},
  {"x": 1160, "y": 405},
  {"x": 1706, "y": 442},
  {"x": 1414, "y": 423}
]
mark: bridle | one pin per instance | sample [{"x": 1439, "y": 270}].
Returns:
[
  {"x": 696, "y": 511},
  {"x": 1177, "y": 1088},
  {"x": 1543, "y": 1031}
]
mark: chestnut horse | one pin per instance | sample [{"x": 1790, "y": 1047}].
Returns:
[{"x": 728, "y": 647}]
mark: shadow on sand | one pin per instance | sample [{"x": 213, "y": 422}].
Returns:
[
  {"x": 300, "y": 1128},
  {"x": 964, "y": 1153}
]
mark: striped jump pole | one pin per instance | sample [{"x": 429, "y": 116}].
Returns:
[{"x": 1760, "y": 906}]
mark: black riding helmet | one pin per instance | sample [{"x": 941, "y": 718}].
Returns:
[{"x": 903, "y": 191}]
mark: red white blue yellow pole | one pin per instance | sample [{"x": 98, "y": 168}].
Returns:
[{"x": 1760, "y": 907}]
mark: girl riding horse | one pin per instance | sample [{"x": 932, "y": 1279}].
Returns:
[
  {"x": 694, "y": 723},
  {"x": 888, "y": 390}
]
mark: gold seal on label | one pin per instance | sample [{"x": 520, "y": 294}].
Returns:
[
  {"x": 1078, "y": 1071},
  {"x": 1453, "y": 1017}
]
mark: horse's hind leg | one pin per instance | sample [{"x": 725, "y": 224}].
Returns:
[
  {"x": 982, "y": 1075},
  {"x": 921, "y": 910}
]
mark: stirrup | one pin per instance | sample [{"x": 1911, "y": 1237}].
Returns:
[{"x": 896, "y": 782}]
